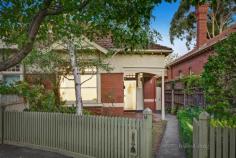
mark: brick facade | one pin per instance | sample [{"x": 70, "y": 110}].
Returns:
[
  {"x": 149, "y": 92},
  {"x": 194, "y": 65},
  {"x": 112, "y": 88}
]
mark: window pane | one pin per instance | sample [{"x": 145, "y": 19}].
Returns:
[
  {"x": 11, "y": 79},
  {"x": 92, "y": 82},
  {"x": 66, "y": 82},
  {"x": 88, "y": 89},
  {"x": 89, "y": 94},
  {"x": 68, "y": 94}
]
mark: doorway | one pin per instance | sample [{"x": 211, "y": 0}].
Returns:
[
  {"x": 158, "y": 98},
  {"x": 130, "y": 94}
]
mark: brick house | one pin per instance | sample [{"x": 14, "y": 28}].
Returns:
[
  {"x": 193, "y": 62},
  {"x": 130, "y": 85}
]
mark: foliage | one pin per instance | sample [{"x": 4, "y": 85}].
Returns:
[
  {"x": 38, "y": 98},
  {"x": 36, "y": 24},
  {"x": 185, "y": 117},
  {"x": 222, "y": 115},
  {"x": 219, "y": 80},
  {"x": 220, "y": 16},
  {"x": 191, "y": 82}
]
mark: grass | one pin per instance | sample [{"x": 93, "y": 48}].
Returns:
[{"x": 157, "y": 134}]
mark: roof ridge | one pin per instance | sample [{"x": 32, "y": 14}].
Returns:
[{"x": 210, "y": 42}]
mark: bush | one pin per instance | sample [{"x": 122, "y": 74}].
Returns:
[
  {"x": 185, "y": 117},
  {"x": 38, "y": 98},
  {"x": 218, "y": 78},
  {"x": 222, "y": 115}
]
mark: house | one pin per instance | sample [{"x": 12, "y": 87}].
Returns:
[
  {"x": 130, "y": 85},
  {"x": 193, "y": 62}
]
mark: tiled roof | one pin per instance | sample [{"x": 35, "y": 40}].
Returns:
[
  {"x": 108, "y": 44},
  {"x": 211, "y": 42},
  {"x": 105, "y": 42}
]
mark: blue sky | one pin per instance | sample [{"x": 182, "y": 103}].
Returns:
[{"x": 163, "y": 14}]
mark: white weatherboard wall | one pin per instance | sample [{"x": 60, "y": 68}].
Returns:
[{"x": 137, "y": 63}]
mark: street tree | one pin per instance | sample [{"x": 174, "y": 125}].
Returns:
[
  {"x": 36, "y": 24},
  {"x": 221, "y": 14}
]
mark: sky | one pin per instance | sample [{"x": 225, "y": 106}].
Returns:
[{"x": 163, "y": 14}]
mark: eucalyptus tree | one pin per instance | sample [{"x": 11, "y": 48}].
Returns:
[
  {"x": 36, "y": 24},
  {"x": 221, "y": 14}
]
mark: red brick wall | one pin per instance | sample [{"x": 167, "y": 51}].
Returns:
[
  {"x": 112, "y": 111},
  {"x": 201, "y": 14},
  {"x": 196, "y": 64},
  {"x": 112, "y": 88},
  {"x": 150, "y": 92}
]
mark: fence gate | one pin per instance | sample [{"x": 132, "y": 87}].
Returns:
[{"x": 79, "y": 136}]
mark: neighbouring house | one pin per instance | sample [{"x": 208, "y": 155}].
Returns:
[
  {"x": 130, "y": 85},
  {"x": 192, "y": 63}
]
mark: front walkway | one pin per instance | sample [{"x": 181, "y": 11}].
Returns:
[
  {"x": 10, "y": 151},
  {"x": 170, "y": 145}
]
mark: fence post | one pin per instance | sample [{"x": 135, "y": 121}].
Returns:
[
  {"x": 147, "y": 114},
  {"x": 2, "y": 123},
  {"x": 203, "y": 134},
  {"x": 172, "y": 99}
]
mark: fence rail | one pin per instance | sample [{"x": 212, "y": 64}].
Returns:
[
  {"x": 176, "y": 95},
  {"x": 212, "y": 142},
  {"x": 80, "y": 136}
]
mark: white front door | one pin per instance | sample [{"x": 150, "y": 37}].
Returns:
[
  {"x": 158, "y": 98},
  {"x": 130, "y": 95}
]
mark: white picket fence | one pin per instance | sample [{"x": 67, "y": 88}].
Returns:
[
  {"x": 212, "y": 142},
  {"x": 79, "y": 136}
]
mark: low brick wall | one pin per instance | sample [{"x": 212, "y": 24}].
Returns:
[{"x": 114, "y": 111}]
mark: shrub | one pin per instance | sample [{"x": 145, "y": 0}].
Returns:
[
  {"x": 38, "y": 98},
  {"x": 218, "y": 78},
  {"x": 185, "y": 117},
  {"x": 222, "y": 115}
]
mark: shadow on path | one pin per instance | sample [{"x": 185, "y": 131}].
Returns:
[
  {"x": 10, "y": 151},
  {"x": 170, "y": 144}
]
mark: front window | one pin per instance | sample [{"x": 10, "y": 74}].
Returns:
[
  {"x": 180, "y": 74},
  {"x": 88, "y": 88},
  {"x": 190, "y": 70},
  {"x": 10, "y": 79},
  {"x": 11, "y": 75}
]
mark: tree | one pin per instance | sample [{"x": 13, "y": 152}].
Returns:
[
  {"x": 221, "y": 14},
  {"x": 36, "y": 24},
  {"x": 219, "y": 76}
]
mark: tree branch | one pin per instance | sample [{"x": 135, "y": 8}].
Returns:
[{"x": 32, "y": 33}]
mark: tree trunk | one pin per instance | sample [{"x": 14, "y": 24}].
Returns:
[{"x": 76, "y": 74}]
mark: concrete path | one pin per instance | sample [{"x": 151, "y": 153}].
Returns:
[
  {"x": 10, "y": 151},
  {"x": 170, "y": 145}
]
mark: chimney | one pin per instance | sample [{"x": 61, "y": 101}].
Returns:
[{"x": 201, "y": 14}]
